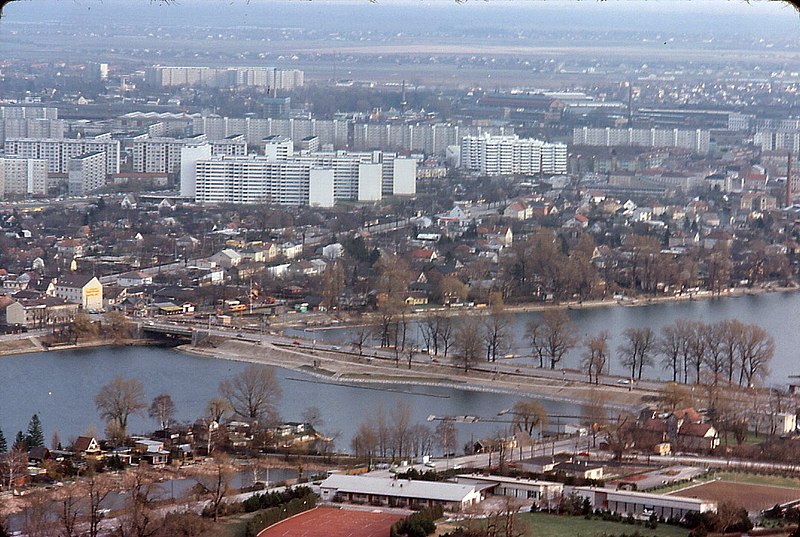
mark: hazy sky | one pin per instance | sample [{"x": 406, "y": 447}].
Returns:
[{"x": 668, "y": 14}]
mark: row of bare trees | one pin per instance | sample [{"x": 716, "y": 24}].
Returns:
[
  {"x": 393, "y": 435},
  {"x": 80, "y": 508}
]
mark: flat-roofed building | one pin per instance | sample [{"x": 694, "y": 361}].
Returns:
[
  {"x": 627, "y": 502},
  {"x": 87, "y": 173},
  {"x": 57, "y": 152},
  {"x": 21, "y": 176},
  {"x": 401, "y": 492},
  {"x": 541, "y": 492}
]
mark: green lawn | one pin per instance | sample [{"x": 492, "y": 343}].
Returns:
[{"x": 547, "y": 525}]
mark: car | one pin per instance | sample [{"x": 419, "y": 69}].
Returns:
[
  {"x": 336, "y": 348},
  {"x": 430, "y": 464},
  {"x": 295, "y": 342},
  {"x": 240, "y": 335},
  {"x": 623, "y": 381}
]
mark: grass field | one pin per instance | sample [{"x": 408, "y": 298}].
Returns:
[{"x": 547, "y": 525}]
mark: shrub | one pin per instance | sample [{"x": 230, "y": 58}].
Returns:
[{"x": 272, "y": 515}]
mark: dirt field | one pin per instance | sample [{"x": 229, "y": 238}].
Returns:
[
  {"x": 753, "y": 497},
  {"x": 329, "y": 522}
]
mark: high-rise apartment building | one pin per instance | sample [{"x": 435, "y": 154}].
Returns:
[
  {"x": 696, "y": 140},
  {"x": 58, "y": 152},
  {"x": 310, "y": 178},
  {"x": 163, "y": 155},
  {"x": 87, "y": 173},
  {"x": 225, "y": 77},
  {"x": 20, "y": 176},
  {"x": 509, "y": 155}
]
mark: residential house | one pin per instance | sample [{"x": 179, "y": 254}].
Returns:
[
  {"x": 87, "y": 447},
  {"x": 82, "y": 289},
  {"x": 134, "y": 278},
  {"x": 227, "y": 258}
]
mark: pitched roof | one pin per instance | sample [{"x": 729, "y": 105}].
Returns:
[{"x": 74, "y": 280}]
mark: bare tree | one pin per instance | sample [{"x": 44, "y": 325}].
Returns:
[
  {"x": 552, "y": 336},
  {"x": 139, "y": 515},
  {"x": 365, "y": 442},
  {"x": 714, "y": 357},
  {"x": 38, "y": 515},
  {"x": 669, "y": 346},
  {"x": 216, "y": 408},
  {"x": 162, "y": 409},
  {"x": 637, "y": 349},
  {"x": 468, "y": 343},
  {"x": 253, "y": 394},
  {"x": 118, "y": 399},
  {"x": 97, "y": 488},
  {"x": 69, "y": 501},
  {"x": 401, "y": 429},
  {"x": 673, "y": 395},
  {"x": 447, "y": 330},
  {"x": 446, "y": 437},
  {"x": 756, "y": 350},
  {"x": 495, "y": 335},
  {"x": 313, "y": 416},
  {"x": 361, "y": 337},
  {"x": 595, "y": 414},
  {"x": 13, "y": 466},
  {"x": 596, "y": 356},
  {"x": 528, "y": 416},
  {"x": 215, "y": 482}
]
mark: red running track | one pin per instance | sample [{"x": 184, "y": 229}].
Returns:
[{"x": 331, "y": 522}]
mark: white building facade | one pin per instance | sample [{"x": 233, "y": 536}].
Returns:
[{"x": 510, "y": 155}]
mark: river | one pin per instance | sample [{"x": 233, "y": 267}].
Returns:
[
  {"x": 778, "y": 313},
  {"x": 60, "y": 386}
]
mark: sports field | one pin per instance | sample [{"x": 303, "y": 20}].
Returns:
[
  {"x": 330, "y": 522},
  {"x": 752, "y": 496}
]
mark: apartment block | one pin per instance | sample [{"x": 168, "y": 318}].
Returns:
[
  {"x": 20, "y": 176},
  {"x": 87, "y": 173},
  {"x": 509, "y": 155},
  {"x": 58, "y": 152}
]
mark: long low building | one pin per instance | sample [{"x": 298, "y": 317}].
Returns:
[
  {"x": 539, "y": 491},
  {"x": 628, "y": 502},
  {"x": 400, "y": 492}
]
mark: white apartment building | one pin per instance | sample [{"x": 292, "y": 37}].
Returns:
[
  {"x": 163, "y": 155},
  {"x": 57, "y": 152},
  {"x": 20, "y": 176},
  {"x": 696, "y": 140},
  {"x": 254, "y": 179},
  {"x": 87, "y": 173},
  {"x": 225, "y": 77},
  {"x": 509, "y": 155},
  {"x": 306, "y": 179}
]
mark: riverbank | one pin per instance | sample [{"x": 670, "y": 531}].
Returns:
[
  {"x": 349, "y": 369},
  {"x": 32, "y": 344},
  {"x": 326, "y": 320}
]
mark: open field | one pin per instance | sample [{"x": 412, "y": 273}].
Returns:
[
  {"x": 544, "y": 524},
  {"x": 752, "y": 496},
  {"x": 331, "y": 522}
]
